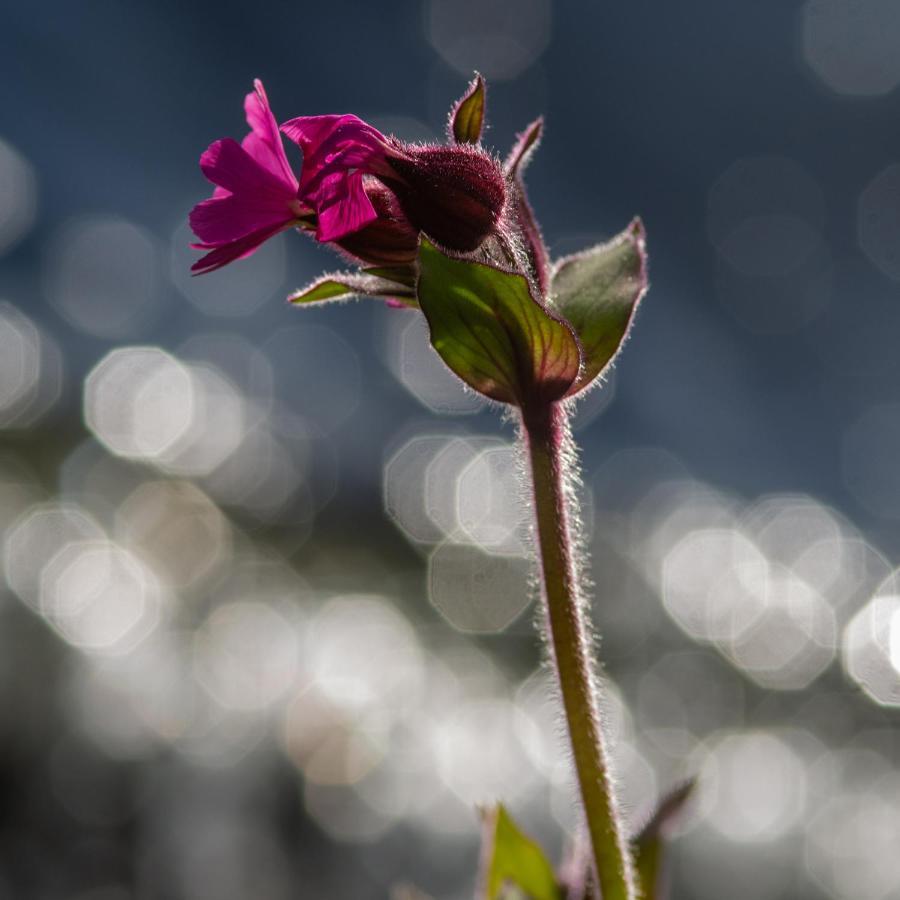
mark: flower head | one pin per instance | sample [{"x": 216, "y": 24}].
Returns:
[
  {"x": 256, "y": 191},
  {"x": 368, "y": 194}
]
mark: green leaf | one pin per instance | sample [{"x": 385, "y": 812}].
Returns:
[
  {"x": 467, "y": 115},
  {"x": 489, "y": 329},
  {"x": 344, "y": 285},
  {"x": 514, "y": 860},
  {"x": 404, "y": 275},
  {"x": 649, "y": 845},
  {"x": 597, "y": 292}
]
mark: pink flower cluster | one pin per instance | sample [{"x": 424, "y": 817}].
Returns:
[{"x": 368, "y": 194}]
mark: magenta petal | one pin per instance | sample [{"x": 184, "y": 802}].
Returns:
[
  {"x": 332, "y": 142},
  {"x": 230, "y": 166},
  {"x": 245, "y": 246},
  {"x": 342, "y": 206},
  {"x": 220, "y": 220},
  {"x": 264, "y": 143}
]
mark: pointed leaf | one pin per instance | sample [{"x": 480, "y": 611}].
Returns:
[
  {"x": 650, "y": 843},
  {"x": 515, "y": 164},
  {"x": 467, "y": 115},
  {"x": 344, "y": 285},
  {"x": 489, "y": 329},
  {"x": 525, "y": 144},
  {"x": 597, "y": 292},
  {"x": 512, "y": 859}
]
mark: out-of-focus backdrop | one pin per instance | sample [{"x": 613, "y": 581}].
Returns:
[{"x": 265, "y": 622}]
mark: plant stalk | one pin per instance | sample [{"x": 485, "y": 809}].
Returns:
[{"x": 548, "y": 440}]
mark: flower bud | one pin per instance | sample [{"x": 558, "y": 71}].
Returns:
[
  {"x": 388, "y": 241},
  {"x": 455, "y": 194}
]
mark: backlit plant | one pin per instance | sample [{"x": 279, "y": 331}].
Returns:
[{"x": 448, "y": 229}]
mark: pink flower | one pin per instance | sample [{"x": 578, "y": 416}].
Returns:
[
  {"x": 369, "y": 194},
  {"x": 256, "y": 193}
]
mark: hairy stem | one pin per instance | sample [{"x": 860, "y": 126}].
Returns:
[{"x": 547, "y": 436}]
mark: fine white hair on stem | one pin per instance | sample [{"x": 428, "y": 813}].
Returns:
[{"x": 546, "y": 443}]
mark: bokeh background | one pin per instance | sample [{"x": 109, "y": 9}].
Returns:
[{"x": 265, "y": 621}]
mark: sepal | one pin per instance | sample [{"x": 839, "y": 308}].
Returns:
[
  {"x": 467, "y": 116},
  {"x": 344, "y": 285}
]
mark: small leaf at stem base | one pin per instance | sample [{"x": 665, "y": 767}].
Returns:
[
  {"x": 344, "y": 285},
  {"x": 650, "y": 843},
  {"x": 512, "y": 861}
]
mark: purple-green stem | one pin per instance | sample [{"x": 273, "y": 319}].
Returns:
[{"x": 548, "y": 440}]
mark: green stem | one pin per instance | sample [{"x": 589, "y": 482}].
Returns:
[{"x": 548, "y": 440}]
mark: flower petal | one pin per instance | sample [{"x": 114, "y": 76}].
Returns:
[
  {"x": 342, "y": 206},
  {"x": 227, "y": 164},
  {"x": 226, "y": 253},
  {"x": 221, "y": 220},
  {"x": 330, "y": 143},
  {"x": 264, "y": 143}
]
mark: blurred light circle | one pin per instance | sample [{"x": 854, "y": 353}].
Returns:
[
  {"x": 177, "y": 527},
  {"x": 100, "y": 597},
  {"x": 404, "y": 487},
  {"x": 139, "y": 401},
  {"x": 330, "y": 744},
  {"x": 36, "y": 538},
  {"x": 476, "y": 591},
  {"x": 491, "y": 510},
  {"x": 792, "y": 641},
  {"x": 783, "y": 526},
  {"x": 217, "y": 425},
  {"x": 872, "y": 646},
  {"x": 264, "y": 477},
  {"x": 871, "y": 448},
  {"x": 20, "y": 358},
  {"x": 18, "y": 188},
  {"x": 361, "y": 653},
  {"x": 756, "y": 787},
  {"x": 132, "y": 703},
  {"x": 478, "y": 752},
  {"x": 238, "y": 359},
  {"x": 879, "y": 214},
  {"x": 30, "y": 369},
  {"x": 102, "y": 275},
  {"x": 442, "y": 480},
  {"x": 247, "y": 655},
  {"x": 417, "y": 366},
  {"x": 239, "y": 289},
  {"x": 852, "y": 46},
  {"x": 490, "y": 36},
  {"x": 714, "y": 584},
  {"x": 851, "y": 844}
]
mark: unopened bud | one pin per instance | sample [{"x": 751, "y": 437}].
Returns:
[{"x": 455, "y": 194}]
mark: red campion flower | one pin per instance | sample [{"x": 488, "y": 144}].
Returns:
[{"x": 367, "y": 193}]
